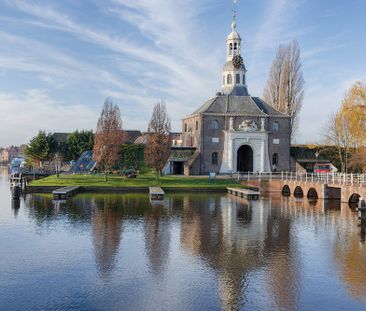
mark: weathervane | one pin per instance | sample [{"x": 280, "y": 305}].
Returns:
[{"x": 234, "y": 13}]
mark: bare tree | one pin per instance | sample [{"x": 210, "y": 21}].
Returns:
[
  {"x": 160, "y": 121},
  {"x": 272, "y": 89},
  {"x": 108, "y": 137},
  {"x": 157, "y": 149},
  {"x": 285, "y": 85}
]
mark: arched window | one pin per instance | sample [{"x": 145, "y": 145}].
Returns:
[
  {"x": 196, "y": 125},
  {"x": 214, "y": 158},
  {"x": 275, "y": 159},
  {"x": 237, "y": 79},
  {"x": 215, "y": 125},
  {"x": 235, "y": 46},
  {"x": 244, "y": 79},
  {"x": 223, "y": 80},
  {"x": 185, "y": 127},
  {"x": 276, "y": 126},
  {"x": 229, "y": 79},
  {"x": 230, "y": 48}
]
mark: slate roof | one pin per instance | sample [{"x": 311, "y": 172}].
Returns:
[
  {"x": 131, "y": 136},
  {"x": 243, "y": 105}
]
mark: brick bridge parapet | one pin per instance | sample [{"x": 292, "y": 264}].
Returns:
[{"x": 347, "y": 188}]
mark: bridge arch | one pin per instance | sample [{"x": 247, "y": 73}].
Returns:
[
  {"x": 312, "y": 193},
  {"x": 286, "y": 191},
  {"x": 298, "y": 193},
  {"x": 353, "y": 200}
]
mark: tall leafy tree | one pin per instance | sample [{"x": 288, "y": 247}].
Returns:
[
  {"x": 285, "y": 85},
  {"x": 347, "y": 127},
  {"x": 354, "y": 108},
  {"x": 40, "y": 148},
  {"x": 108, "y": 137},
  {"x": 77, "y": 143},
  {"x": 132, "y": 155},
  {"x": 157, "y": 150}
]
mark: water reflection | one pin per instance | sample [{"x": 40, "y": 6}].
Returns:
[
  {"x": 362, "y": 232},
  {"x": 350, "y": 255},
  {"x": 107, "y": 229},
  {"x": 15, "y": 205},
  {"x": 256, "y": 254},
  {"x": 157, "y": 237},
  {"x": 236, "y": 237}
]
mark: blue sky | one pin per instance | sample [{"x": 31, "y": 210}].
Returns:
[{"x": 59, "y": 60}]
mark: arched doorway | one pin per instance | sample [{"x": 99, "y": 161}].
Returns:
[{"x": 245, "y": 159}]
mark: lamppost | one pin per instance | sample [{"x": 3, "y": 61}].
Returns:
[{"x": 316, "y": 160}]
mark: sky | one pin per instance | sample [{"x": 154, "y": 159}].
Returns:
[{"x": 59, "y": 60}]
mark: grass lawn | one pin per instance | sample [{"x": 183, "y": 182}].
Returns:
[{"x": 143, "y": 180}]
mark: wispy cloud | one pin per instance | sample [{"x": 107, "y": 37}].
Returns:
[
  {"x": 173, "y": 66},
  {"x": 45, "y": 113},
  {"x": 170, "y": 62},
  {"x": 143, "y": 51},
  {"x": 277, "y": 19}
]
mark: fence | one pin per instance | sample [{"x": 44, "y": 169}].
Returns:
[{"x": 326, "y": 178}]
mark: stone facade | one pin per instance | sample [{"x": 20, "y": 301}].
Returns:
[{"x": 234, "y": 131}]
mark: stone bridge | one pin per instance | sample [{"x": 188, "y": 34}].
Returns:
[{"x": 346, "y": 188}]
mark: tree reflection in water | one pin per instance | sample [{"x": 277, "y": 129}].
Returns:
[
  {"x": 157, "y": 237},
  {"x": 247, "y": 245}
]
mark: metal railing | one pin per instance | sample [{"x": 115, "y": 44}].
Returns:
[{"x": 325, "y": 178}]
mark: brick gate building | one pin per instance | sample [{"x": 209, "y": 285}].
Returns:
[{"x": 235, "y": 131}]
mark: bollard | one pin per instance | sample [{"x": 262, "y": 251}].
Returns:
[
  {"x": 361, "y": 209},
  {"x": 15, "y": 191}
]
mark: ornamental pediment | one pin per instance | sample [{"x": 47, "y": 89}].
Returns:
[{"x": 248, "y": 126}]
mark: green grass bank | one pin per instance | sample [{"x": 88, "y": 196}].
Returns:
[{"x": 144, "y": 180}]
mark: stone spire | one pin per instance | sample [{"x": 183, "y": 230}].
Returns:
[{"x": 233, "y": 73}]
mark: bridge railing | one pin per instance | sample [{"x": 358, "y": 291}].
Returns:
[{"x": 326, "y": 178}]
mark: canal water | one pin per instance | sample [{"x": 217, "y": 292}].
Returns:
[{"x": 193, "y": 252}]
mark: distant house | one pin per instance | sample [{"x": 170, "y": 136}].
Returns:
[
  {"x": 10, "y": 153},
  {"x": 304, "y": 158}
]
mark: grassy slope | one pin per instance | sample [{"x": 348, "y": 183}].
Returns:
[{"x": 145, "y": 180}]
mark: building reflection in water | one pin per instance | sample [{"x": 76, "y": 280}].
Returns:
[
  {"x": 249, "y": 245},
  {"x": 236, "y": 238}
]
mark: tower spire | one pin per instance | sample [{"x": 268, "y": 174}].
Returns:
[
  {"x": 233, "y": 24},
  {"x": 233, "y": 73}
]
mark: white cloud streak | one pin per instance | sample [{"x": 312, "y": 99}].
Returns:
[
  {"x": 22, "y": 116},
  {"x": 159, "y": 53}
]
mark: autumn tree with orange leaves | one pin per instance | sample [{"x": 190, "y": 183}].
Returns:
[
  {"x": 347, "y": 129},
  {"x": 157, "y": 150},
  {"x": 108, "y": 137}
]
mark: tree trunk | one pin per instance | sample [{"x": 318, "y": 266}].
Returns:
[{"x": 106, "y": 175}]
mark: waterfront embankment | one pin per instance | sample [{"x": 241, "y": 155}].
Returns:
[{"x": 121, "y": 184}]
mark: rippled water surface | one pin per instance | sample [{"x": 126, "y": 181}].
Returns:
[{"x": 193, "y": 252}]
